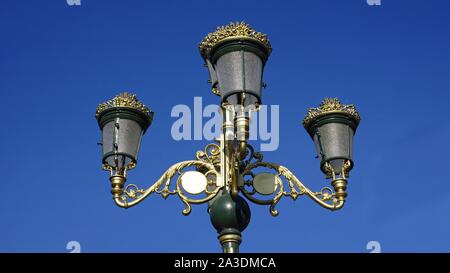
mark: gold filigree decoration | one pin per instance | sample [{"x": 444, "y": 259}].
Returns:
[
  {"x": 345, "y": 172},
  {"x": 124, "y": 100},
  {"x": 118, "y": 171},
  {"x": 133, "y": 191},
  {"x": 210, "y": 154},
  {"x": 325, "y": 197},
  {"x": 330, "y": 105},
  {"x": 133, "y": 195},
  {"x": 253, "y": 156},
  {"x": 233, "y": 30}
]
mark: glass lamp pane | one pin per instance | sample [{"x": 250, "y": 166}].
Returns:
[
  {"x": 253, "y": 72},
  {"x": 108, "y": 138},
  {"x": 334, "y": 144},
  {"x": 129, "y": 140},
  {"x": 212, "y": 73},
  {"x": 230, "y": 72},
  {"x": 121, "y": 143},
  {"x": 237, "y": 72}
]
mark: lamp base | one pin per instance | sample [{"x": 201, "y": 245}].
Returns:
[{"x": 117, "y": 182}]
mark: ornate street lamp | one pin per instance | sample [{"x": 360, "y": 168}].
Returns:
[{"x": 225, "y": 174}]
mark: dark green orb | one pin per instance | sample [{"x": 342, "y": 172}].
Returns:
[{"x": 230, "y": 214}]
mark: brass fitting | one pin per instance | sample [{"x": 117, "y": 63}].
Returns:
[
  {"x": 242, "y": 127},
  {"x": 340, "y": 185},
  {"x": 242, "y": 124},
  {"x": 230, "y": 242},
  {"x": 117, "y": 182},
  {"x": 242, "y": 151}
]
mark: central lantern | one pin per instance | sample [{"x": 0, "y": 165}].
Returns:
[{"x": 235, "y": 56}]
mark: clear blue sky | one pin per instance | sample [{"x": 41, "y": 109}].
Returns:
[{"x": 58, "y": 62}]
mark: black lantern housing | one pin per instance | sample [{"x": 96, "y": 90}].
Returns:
[
  {"x": 332, "y": 126},
  {"x": 123, "y": 121}
]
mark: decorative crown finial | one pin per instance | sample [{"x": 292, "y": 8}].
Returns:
[
  {"x": 330, "y": 105},
  {"x": 232, "y": 31},
  {"x": 124, "y": 100}
]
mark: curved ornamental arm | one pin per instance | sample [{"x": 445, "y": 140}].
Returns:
[
  {"x": 327, "y": 198},
  {"x": 132, "y": 195}
]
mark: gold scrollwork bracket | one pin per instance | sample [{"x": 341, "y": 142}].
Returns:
[
  {"x": 325, "y": 198},
  {"x": 133, "y": 195},
  {"x": 210, "y": 154}
]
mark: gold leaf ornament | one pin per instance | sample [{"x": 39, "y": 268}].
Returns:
[
  {"x": 125, "y": 99},
  {"x": 238, "y": 30}
]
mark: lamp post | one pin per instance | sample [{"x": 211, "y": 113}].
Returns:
[{"x": 225, "y": 174}]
